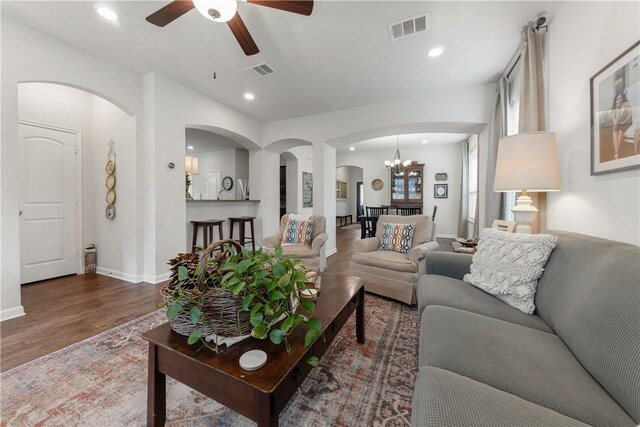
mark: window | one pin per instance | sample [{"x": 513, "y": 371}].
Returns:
[
  {"x": 513, "y": 122},
  {"x": 473, "y": 180}
]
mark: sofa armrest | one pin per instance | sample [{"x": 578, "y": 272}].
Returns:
[
  {"x": 319, "y": 241},
  {"x": 272, "y": 241},
  {"x": 420, "y": 251},
  {"x": 366, "y": 245},
  {"x": 449, "y": 264}
]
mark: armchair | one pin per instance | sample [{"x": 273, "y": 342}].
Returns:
[
  {"x": 393, "y": 274},
  {"x": 313, "y": 256}
]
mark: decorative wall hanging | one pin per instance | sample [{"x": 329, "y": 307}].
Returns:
[
  {"x": 377, "y": 184},
  {"x": 110, "y": 182},
  {"x": 442, "y": 176},
  {"x": 307, "y": 190},
  {"x": 440, "y": 191},
  {"x": 615, "y": 114}
]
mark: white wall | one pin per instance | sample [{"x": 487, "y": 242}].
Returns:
[
  {"x": 437, "y": 158},
  {"x": 75, "y": 68},
  {"x": 170, "y": 108},
  {"x": 583, "y": 38},
  {"x": 304, "y": 154}
]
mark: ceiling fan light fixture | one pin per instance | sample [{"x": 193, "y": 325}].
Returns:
[{"x": 217, "y": 10}]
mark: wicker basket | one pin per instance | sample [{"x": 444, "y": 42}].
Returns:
[{"x": 222, "y": 312}]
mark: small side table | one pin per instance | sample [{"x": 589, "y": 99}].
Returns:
[
  {"x": 342, "y": 219},
  {"x": 457, "y": 247}
]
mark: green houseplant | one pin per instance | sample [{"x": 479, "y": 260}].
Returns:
[{"x": 264, "y": 290}]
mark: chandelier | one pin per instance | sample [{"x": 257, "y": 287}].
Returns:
[{"x": 397, "y": 166}]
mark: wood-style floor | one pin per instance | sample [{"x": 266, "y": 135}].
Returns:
[{"x": 70, "y": 309}]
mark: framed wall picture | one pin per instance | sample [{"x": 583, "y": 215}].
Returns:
[
  {"x": 615, "y": 114},
  {"x": 307, "y": 190},
  {"x": 502, "y": 225},
  {"x": 440, "y": 191},
  {"x": 441, "y": 176}
]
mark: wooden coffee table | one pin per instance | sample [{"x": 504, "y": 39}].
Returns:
[{"x": 259, "y": 395}]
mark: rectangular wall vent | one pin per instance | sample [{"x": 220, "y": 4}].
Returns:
[
  {"x": 260, "y": 70},
  {"x": 409, "y": 26}
]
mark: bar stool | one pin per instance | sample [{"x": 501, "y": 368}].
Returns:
[
  {"x": 241, "y": 221},
  {"x": 207, "y": 232}
]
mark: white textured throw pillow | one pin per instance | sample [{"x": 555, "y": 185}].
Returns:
[{"x": 509, "y": 265}]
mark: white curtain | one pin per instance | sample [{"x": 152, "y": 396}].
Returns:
[
  {"x": 463, "y": 221},
  {"x": 532, "y": 107},
  {"x": 497, "y": 129}
]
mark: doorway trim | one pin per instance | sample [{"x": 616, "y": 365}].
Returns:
[{"x": 79, "y": 219}]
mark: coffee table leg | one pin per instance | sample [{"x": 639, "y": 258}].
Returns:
[
  {"x": 156, "y": 391},
  {"x": 267, "y": 417},
  {"x": 360, "y": 316}
]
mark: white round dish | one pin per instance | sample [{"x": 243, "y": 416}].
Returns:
[{"x": 252, "y": 360}]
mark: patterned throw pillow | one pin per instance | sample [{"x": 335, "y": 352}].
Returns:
[
  {"x": 298, "y": 231},
  {"x": 397, "y": 237},
  {"x": 509, "y": 265}
]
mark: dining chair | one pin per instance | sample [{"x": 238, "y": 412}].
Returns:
[{"x": 410, "y": 211}]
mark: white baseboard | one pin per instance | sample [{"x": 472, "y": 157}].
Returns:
[
  {"x": 11, "y": 313},
  {"x": 147, "y": 278},
  {"x": 132, "y": 278},
  {"x": 331, "y": 252}
]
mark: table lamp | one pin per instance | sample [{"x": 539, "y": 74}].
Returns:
[
  {"x": 527, "y": 162},
  {"x": 190, "y": 168}
]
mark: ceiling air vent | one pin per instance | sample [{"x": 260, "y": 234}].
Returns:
[
  {"x": 260, "y": 70},
  {"x": 409, "y": 26}
]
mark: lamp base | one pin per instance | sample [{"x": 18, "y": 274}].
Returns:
[{"x": 524, "y": 211}]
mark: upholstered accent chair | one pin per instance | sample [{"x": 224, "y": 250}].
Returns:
[
  {"x": 313, "y": 255},
  {"x": 394, "y": 274}
]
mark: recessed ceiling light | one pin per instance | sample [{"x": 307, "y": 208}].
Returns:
[
  {"x": 190, "y": 147},
  {"x": 249, "y": 96},
  {"x": 424, "y": 141},
  {"x": 436, "y": 51},
  {"x": 107, "y": 13},
  {"x": 352, "y": 148}
]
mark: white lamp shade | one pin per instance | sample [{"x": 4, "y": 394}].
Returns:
[
  {"x": 191, "y": 165},
  {"x": 527, "y": 161},
  {"x": 224, "y": 9}
]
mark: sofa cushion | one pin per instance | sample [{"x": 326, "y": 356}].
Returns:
[
  {"x": 298, "y": 231},
  {"x": 590, "y": 296},
  {"x": 386, "y": 259},
  {"x": 319, "y": 224},
  {"x": 446, "y": 399},
  {"x": 509, "y": 265},
  {"x": 531, "y": 364},
  {"x": 441, "y": 290},
  {"x": 397, "y": 237},
  {"x": 422, "y": 234}
]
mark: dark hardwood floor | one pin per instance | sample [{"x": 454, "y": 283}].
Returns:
[{"x": 70, "y": 309}]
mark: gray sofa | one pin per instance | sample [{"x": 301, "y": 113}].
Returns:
[{"x": 576, "y": 361}]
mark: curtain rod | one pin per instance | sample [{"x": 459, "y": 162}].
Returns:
[{"x": 541, "y": 24}]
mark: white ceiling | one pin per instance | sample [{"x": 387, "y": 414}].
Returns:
[
  {"x": 407, "y": 141},
  {"x": 339, "y": 57}
]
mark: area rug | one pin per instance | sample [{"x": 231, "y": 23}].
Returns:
[{"x": 102, "y": 381}]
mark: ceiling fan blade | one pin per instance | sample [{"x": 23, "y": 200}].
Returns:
[
  {"x": 302, "y": 7},
  {"x": 170, "y": 12},
  {"x": 239, "y": 30}
]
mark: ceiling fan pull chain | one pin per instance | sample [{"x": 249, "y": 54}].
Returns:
[{"x": 214, "y": 52}]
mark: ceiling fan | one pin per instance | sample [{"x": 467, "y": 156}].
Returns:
[{"x": 226, "y": 11}]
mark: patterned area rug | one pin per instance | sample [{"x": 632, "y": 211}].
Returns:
[{"x": 102, "y": 381}]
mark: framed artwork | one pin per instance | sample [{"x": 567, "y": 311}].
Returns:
[
  {"x": 307, "y": 190},
  {"x": 341, "y": 189},
  {"x": 502, "y": 225},
  {"x": 442, "y": 176},
  {"x": 615, "y": 114},
  {"x": 440, "y": 191}
]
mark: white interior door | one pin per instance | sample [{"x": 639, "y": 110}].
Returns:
[
  {"x": 47, "y": 203},
  {"x": 213, "y": 183}
]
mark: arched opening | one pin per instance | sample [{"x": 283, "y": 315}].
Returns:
[{"x": 77, "y": 157}]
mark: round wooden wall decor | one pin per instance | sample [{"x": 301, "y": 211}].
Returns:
[
  {"x": 111, "y": 181},
  {"x": 111, "y": 196},
  {"x": 377, "y": 184},
  {"x": 111, "y": 211}
]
